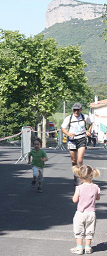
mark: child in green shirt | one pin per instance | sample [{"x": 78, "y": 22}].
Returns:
[{"x": 39, "y": 157}]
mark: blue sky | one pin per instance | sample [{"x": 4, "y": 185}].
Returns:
[{"x": 27, "y": 16}]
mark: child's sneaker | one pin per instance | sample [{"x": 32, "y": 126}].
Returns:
[
  {"x": 39, "y": 189},
  {"x": 76, "y": 250},
  {"x": 88, "y": 250}
]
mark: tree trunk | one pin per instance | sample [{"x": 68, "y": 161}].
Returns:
[
  {"x": 39, "y": 131},
  {"x": 64, "y": 110},
  {"x": 44, "y": 133}
]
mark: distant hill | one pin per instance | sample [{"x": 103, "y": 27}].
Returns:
[
  {"x": 86, "y": 34},
  {"x": 85, "y": 30}
]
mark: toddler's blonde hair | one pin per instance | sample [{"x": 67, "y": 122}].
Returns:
[{"x": 86, "y": 172}]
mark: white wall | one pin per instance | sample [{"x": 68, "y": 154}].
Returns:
[{"x": 98, "y": 117}]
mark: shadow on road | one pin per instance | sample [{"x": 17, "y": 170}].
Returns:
[
  {"x": 23, "y": 208},
  {"x": 95, "y": 153},
  {"x": 100, "y": 247}
]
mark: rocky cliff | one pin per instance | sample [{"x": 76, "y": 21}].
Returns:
[{"x": 60, "y": 11}]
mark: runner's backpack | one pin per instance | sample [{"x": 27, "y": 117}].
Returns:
[{"x": 70, "y": 120}]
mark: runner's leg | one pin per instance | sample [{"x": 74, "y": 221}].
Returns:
[
  {"x": 81, "y": 152},
  {"x": 73, "y": 155}
]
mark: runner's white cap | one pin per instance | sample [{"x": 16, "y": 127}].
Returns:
[{"x": 77, "y": 106}]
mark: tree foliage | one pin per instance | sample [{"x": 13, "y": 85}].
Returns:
[{"x": 34, "y": 75}]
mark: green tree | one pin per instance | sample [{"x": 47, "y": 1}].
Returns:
[{"x": 34, "y": 75}]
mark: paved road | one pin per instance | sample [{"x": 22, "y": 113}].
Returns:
[{"x": 41, "y": 224}]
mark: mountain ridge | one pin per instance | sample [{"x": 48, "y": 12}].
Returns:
[{"x": 60, "y": 11}]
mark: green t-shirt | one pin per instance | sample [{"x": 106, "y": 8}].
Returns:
[{"x": 36, "y": 157}]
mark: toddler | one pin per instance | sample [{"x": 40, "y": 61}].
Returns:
[
  {"x": 84, "y": 220},
  {"x": 39, "y": 158}
]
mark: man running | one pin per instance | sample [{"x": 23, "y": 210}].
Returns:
[{"x": 74, "y": 126}]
